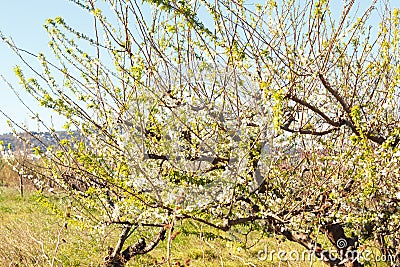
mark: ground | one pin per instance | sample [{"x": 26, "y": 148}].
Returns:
[{"x": 33, "y": 235}]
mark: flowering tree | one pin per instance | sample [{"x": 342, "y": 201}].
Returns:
[{"x": 281, "y": 115}]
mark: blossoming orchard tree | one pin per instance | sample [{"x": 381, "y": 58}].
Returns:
[{"x": 281, "y": 115}]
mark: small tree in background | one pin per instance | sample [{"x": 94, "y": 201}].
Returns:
[{"x": 283, "y": 116}]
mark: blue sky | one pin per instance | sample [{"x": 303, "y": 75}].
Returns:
[{"x": 22, "y": 20}]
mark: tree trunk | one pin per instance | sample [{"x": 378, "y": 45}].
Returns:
[
  {"x": 116, "y": 258},
  {"x": 346, "y": 247}
]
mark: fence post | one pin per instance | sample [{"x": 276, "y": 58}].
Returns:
[{"x": 21, "y": 185}]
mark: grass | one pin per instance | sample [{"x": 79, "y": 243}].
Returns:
[{"x": 34, "y": 236}]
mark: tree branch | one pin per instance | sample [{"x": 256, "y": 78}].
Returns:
[
  {"x": 311, "y": 132},
  {"x": 315, "y": 109},
  {"x": 334, "y": 93},
  {"x": 124, "y": 235},
  {"x": 213, "y": 160}
]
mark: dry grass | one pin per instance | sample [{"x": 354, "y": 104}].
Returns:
[{"x": 32, "y": 235}]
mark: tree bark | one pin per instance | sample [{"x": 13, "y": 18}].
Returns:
[
  {"x": 116, "y": 258},
  {"x": 346, "y": 247}
]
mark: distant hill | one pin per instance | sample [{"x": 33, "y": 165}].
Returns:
[{"x": 33, "y": 138}]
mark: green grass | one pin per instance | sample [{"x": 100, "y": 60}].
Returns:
[{"x": 32, "y": 235}]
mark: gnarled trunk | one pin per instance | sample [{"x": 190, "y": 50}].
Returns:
[{"x": 118, "y": 258}]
